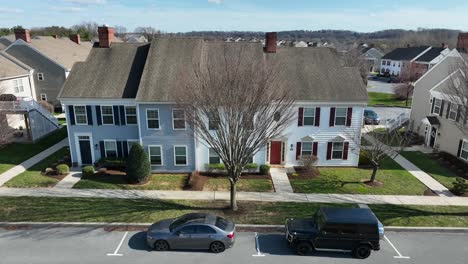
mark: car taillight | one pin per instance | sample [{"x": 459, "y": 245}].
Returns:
[{"x": 231, "y": 235}]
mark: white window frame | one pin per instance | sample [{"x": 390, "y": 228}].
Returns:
[
  {"x": 451, "y": 110},
  {"x": 333, "y": 149},
  {"x": 147, "y": 119},
  {"x": 85, "y": 114},
  {"x": 40, "y": 76},
  {"x": 102, "y": 115},
  {"x": 174, "y": 119},
  {"x": 304, "y": 116},
  {"x": 116, "y": 147},
  {"x": 186, "y": 155},
  {"x": 43, "y": 97},
  {"x": 435, "y": 106},
  {"x": 209, "y": 157},
  {"x": 345, "y": 115},
  {"x": 126, "y": 116},
  {"x": 311, "y": 148},
  {"x": 17, "y": 85},
  {"x": 131, "y": 140},
  {"x": 465, "y": 142},
  {"x": 161, "y": 154}
]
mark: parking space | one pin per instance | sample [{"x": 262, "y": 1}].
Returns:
[
  {"x": 387, "y": 113},
  {"x": 380, "y": 87},
  {"x": 84, "y": 245}
]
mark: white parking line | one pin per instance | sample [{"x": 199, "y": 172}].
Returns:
[
  {"x": 116, "y": 254},
  {"x": 400, "y": 256},
  {"x": 257, "y": 247}
]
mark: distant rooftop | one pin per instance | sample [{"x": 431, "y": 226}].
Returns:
[{"x": 409, "y": 53}]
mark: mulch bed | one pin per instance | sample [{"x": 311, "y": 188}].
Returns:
[
  {"x": 304, "y": 174},
  {"x": 197, "y": 180}
]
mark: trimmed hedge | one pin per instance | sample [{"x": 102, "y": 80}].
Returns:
[
  {"x": 264, "y": 169},
  {"x": 251, "y": 166},
  {"x": 112, "y": 163},
  {"x": 63, "y": 169},
  {"x": 138, "y": 165},
  {"x": 87, "y": 171},
  {"x": 217, "y": 166}
]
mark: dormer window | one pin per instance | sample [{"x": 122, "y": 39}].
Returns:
[{"x": 40, "y": 76}]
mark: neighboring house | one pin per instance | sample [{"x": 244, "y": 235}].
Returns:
[
  {"x": 5, "y": 41},
  {"x": 51, "y": 59},
  {"x": 433, "y": 114},
  {"x": 124, "y": 93},
  {"x": 300, "y": 44},
  {"x": 373, "y": 57},
  {"x": 137, "y": 39}
]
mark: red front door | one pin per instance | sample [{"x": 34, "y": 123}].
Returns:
[{"x": 275, "y": 152}]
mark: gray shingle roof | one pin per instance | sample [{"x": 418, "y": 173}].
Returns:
[
  {"x": 315, "y": 74},
  {"x": 10, "y": 67},
  {"x": 430, "y": 55},
  {"x": 410, "y": 53},
  {"x": 108, "y": 73}
]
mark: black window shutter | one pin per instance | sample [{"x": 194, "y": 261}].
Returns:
[
  {"x": 317, "y": 116},
  {"x": 349, "y": 116},
  {"x": 119, "y": 149},
  {"x": 448, "y": 109},
  {"x": 345, "y": 151},
  {"x": 300, "y": 116},
  {"x": 332, "y": 116},
  {"x": 298, "y": 150},
  {"x": 71, "y": 114},
  {"x": 89, "y": 113},
  {"x": 315, "y": 149},
  {"x": 329, "y": 150},
  {"x": 103, "y": 151},
  {"x": 458, "y": 113},
  {"x": 122, "y": 115},
  {"x": 442, "y": 108},
  {"x": 116, "y": 115},
  {"x": 432, "y": 106},
  {"x": 459, "y": 148},
  {"x": 98, "y": 115},
  {"x": 125, "y": 148}
]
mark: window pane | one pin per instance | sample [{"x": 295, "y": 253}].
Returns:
[
  {"x": 179, "y": 150},
  {"x": 337, "y": 154},
  {"x": 309, "y": 121},
  {"x": 340, "y": 121},
  {"x": 106, "y": 110},
  {"x": 152, "y": 113},
  {"x": 80, "y": 110},
  {"x": 464, "y": 155},
  {"x": 110, "y": 145},
  {"x": 155, "y": 160},
  {"x": 179, "y": 124},
  {"x": 306, "y": 153},
  {"x": 215, "y": 160},
  {"x": 153, "y": 123},
  {"x": 178, "y": 114},
  {"x": 131, "y": 120},
  {"x": 108, "y": 120},
  {"x": 130, "y": 110},
  {"x": 181, "y": 160},
  {"x": 155, "y": 151},
  {"x": 341, "y": 111},
  {"x": 81, "y": 119},
  {"x": 465, "y": 146},
  {"x": 309, "y": 111}
]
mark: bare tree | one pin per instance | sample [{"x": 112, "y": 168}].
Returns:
[
  {"x": 353, "y": 58},
  {"x": 121, "y": 32},
  {"x": 234, "y": 103},
  {"x": 148, "y": 32},
  {"x": 408, "y": 76},
  {"x": 87, "y": 29},
  {"x": 457, "y": 94}
]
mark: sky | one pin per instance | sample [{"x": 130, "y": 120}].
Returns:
[{"x": 243, "y": 15}]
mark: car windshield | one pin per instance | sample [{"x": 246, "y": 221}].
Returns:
[
  {"x": 178, "y": 222},
  {"x": 319, "y": 219}
]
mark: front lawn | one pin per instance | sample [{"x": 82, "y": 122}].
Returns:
[
  {"x": 15, "y": 153},
  {"x": 34, "y": 178},
  {"x": 243, "y": 185},
  {"x": 385, "y": 99},
  {"x": 396, "y": 180},
  {"x": 173, "y": 182},
  {"x": 432, "y": 167}
]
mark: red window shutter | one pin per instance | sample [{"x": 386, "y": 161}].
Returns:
[
  {"x": 317, "y": 116},
  {"x": 315, "y": 149},
  {"x": 300, "y": 116},
  {"x": 345, "y": 151},
  {"x": 298, "y": 150},
  {"x": 349, "y": 116},
  {"x": 329, "y": 150},
  {"x": 332, "y": 116}
]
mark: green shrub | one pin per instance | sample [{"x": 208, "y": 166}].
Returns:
[
  {"x": 138, "y": 165},
  {"x": 364, "y": 160},
  {"x": 217, "y": 166},
  {"x": 112, "y": 163},
  {"x": 63, "y": 169},
  {"x": 87, "y": 171},
  {"x": 460, "y": 186},
  {"x": 251, "y": 166},
  {"x": 294, "y": 174},
  {"x": 264, "y": 169}
]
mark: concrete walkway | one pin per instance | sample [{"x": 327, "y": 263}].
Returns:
[
  {"x": 423, "y": 177},
  {"x": 23, "y": 166},
  {"x": 242, "y": 196},
  {"x": 70, "y": 180},
  {"x": 280, "y": 180}
]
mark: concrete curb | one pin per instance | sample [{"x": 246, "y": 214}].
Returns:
[{"x": 144, "y": 225}]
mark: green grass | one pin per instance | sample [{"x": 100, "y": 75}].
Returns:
[
  {"x": 50, "y": 209},
  {"x": 432, "y": 167},
  {"x": 62, "y": 121},
  {"x": 15, "y": 153},
  {"x": 243, "y": 185},
  {"x": 32, "y": 177},
  {"x": 396, "y": 180},
  {"x": 438, "y": 216},
  {"x": 175, "y": 182},
  {"x": 386, "y": 99}
]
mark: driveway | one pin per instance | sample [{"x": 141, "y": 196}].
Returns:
[
  {"x": 380, "y": 87},
  {"x": 87, "y": 245},
  {"x": 386, "y": 113}
]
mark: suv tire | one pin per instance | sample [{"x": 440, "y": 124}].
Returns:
[
  {"x": 362, "y": 251},
  {"x": 302, "y": 248}
]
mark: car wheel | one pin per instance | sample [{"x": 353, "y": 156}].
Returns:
[
  {"x": 217, "y": 247},
  {"x": 302, "y": 248},
  {"x": 161, "y": 245},
  {"x": 362, "y": 251}
]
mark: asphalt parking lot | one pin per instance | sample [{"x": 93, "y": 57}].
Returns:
[
  {"x": 86, "y": 245},
  {"x": 386, "y": 113}
]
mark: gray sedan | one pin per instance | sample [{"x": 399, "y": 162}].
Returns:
[{"x": 192, "y": 231}]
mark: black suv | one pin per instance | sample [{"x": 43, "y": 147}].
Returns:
[{"x": 355, "y": 230}]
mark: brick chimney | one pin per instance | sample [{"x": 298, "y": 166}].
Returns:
[
  {"x": 270, "y": 42},
  {"x": 462, "y": 43},
  {"x": 75, "y": 38},
  {"x": 106, "y": 36},
  {"x": 23, "y": 34}
]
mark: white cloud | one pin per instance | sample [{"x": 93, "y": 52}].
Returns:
[
  {"x": 67, "y": 9},
  {"x": 10, "y": 10},
  {"x": 87, "y": 2},
  {"x": 215, "y": 1}
]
